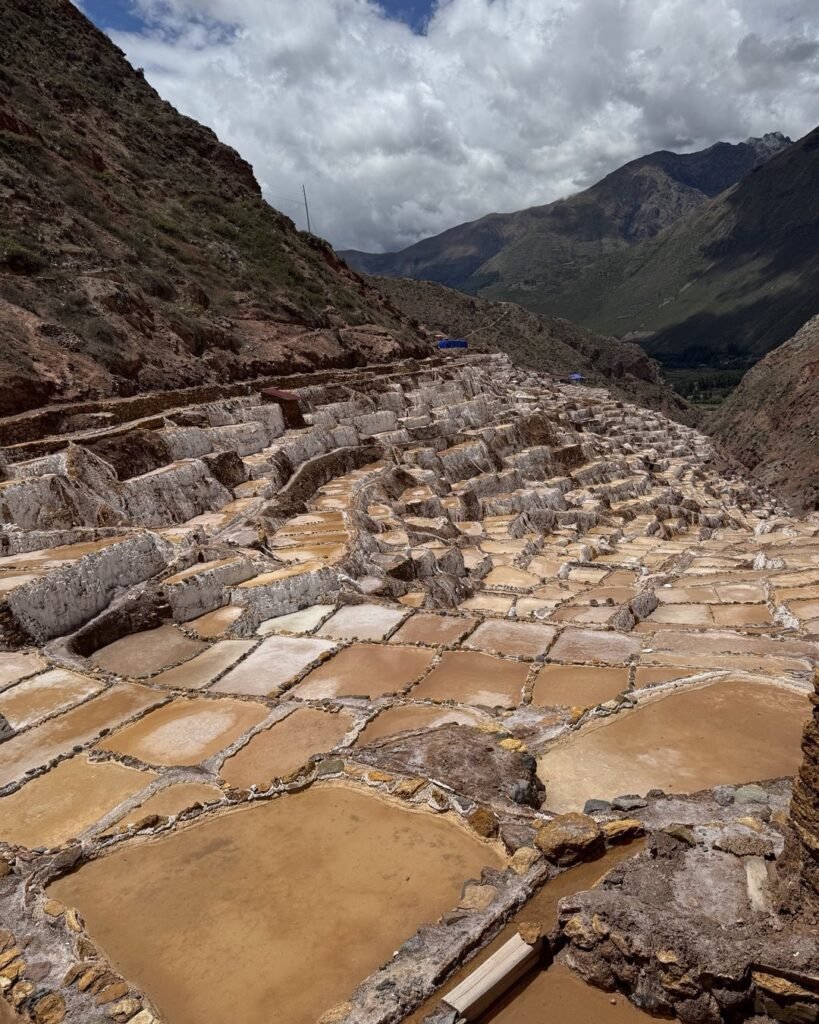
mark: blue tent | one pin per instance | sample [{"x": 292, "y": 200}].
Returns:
[
  {"x": 575, "y": 377},
  {"x": 453, "y": 343}
]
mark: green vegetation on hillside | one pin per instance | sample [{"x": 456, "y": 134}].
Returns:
[{"x": 724, "y": 285}]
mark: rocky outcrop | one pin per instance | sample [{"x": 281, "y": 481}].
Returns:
[
  {"x": 465, "y": 759},
  {"x": 804, "y": 841},
  {"x": 769, "y": 422}
]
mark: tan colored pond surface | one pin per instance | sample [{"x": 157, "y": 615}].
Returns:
[
  {"x": 43, "y": 695},
  {"x": 142, "y": 654},
  {"x": 495, "y": 604},
  {"x": 413, "y": 716},
  {"x": 342, "y": 886},
  {"x": 174, "y": 799},
  {"x": 559, "y": 995},
  {"x": 578, "y": 685},
  {"x": 515, "y": 639},
  {"x": 205, "y": 667},
  {"x": 728, "y": 732},
  {"x": 296, "y": 622},
  {"x": 594, "y": 644},
  {"x": 216, "y": 622},
  {"x": 540, "y": 909},
  {"x": 278, "y": 751},
  {"x": 433, "y": 629},
  {"x": 277, "y": 661},
  {"x": 472, "y": 678},
  {"x": 186, "y": 731},
  {"x": 362, "y": 622},
  {"x": 16, "y": 665},
  {"x": 61, "y": 804},
  {"x": 7, "y": 1015},
  {"x": 365, "y": 670},
  {"x": 507, "y": 576},
  {"x": 40, "y": 744}
]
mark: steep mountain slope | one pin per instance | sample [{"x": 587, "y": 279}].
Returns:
[
  {"x": 531, "y": 255},
  {"x": 538, "y": 342},
  {"x": 136, "y": 251},
  {"x": 729, "y": 282},
  {"x": 770, "y": 421}
]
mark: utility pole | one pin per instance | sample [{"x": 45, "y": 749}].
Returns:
[{"x": 306, "y": 210}]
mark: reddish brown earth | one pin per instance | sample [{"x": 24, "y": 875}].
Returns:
[
  {"x": 136, "y": 251},
  {"x": 769, "y": 421}
]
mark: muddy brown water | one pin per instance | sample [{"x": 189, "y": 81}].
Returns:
[
  {"x": 216, "y": 622},
  {"x": 142, "y": 654},
  {"x": 174, "y": 799},
  {"x": 64, "y": 802},
  {"x": 433, "y": 629},
  {"x": 578, "y": 685},
  {"x": 40, "y": 744},
  {"x": 540, "y": 909},
  {"x": 347, "y": 880},
  {"x": 566, "y": 999},
  {"x": 516, "y": 639},
  {"x": 276, "y": 752},
  {"x": 46, "y": 694},
  {"x": 365, "y": 670},
  {"x": 472, "y": 678},
  {"x": 727, "y": 732},
  {"x": 580, "y": 645},
  {"x": 186, "y": 732},
  {"x": 17, "y": 665}
]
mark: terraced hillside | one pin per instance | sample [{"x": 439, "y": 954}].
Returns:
[
  {"x": 366, "y": 688},
  {"x": 538, "y": 342}
]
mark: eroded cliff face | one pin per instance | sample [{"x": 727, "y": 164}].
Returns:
[
  {"x": 804, "y": 842},
  {"x": 769, "y": 422}
]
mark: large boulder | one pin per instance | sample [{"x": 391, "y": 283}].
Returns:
[
  {"x": 569, "y": 838},
  {"x": 471, "y": 762}
]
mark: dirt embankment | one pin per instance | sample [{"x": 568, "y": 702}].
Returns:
[{"x": 770, "y": 422}]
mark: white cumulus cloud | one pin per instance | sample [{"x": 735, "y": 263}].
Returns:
[{"x": 500, "y": 105}]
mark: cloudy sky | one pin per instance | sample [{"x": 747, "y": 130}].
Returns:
[{"x": 405, "y": 117}]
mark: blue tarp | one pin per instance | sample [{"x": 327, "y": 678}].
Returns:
[
  {"x": 576, "y": 376},
  {"x": 453, "y": 343}
]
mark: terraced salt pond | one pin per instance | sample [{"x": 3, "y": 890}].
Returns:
[
  {"x": 544, "y": 991},
  {"x": 727, "y": 732},
  {"x": 273, "y": 912},
  {"x": 558, "y": 989}
]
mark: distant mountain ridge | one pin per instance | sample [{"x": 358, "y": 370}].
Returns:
[
  {"x": 530, "y": 256},
  {"x": 724, "y": 285}
]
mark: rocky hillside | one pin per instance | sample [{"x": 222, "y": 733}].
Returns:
[
  {"x": 538, "y": 342},
  {"x": 726, "y": 284},
  {"x": 136, "y": 251},
  {"x": 770, "y": 421},
  {"x": 532, "y": 255}
]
